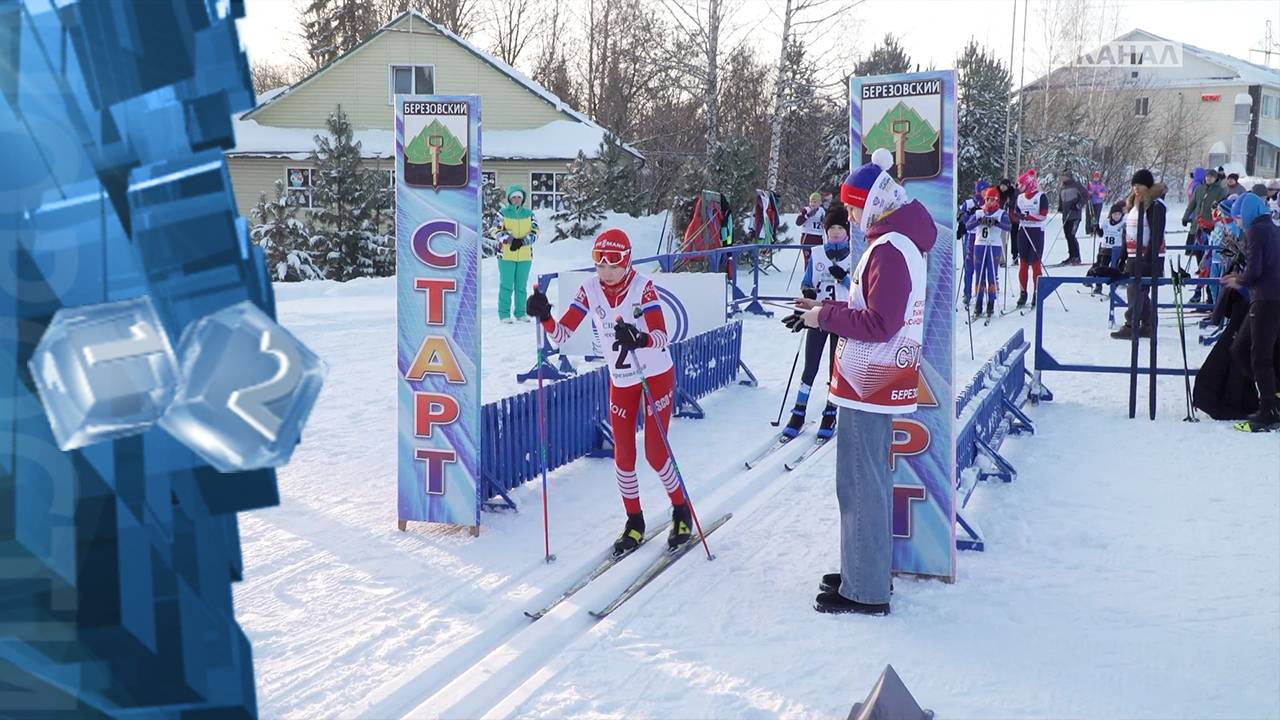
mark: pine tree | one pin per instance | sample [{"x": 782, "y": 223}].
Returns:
[
  {"x": 581, "y": 208},
  {"x": 343, "y": 224},
  {"x": 332, "y": 27},
  {"x": 983, "y": 95},
  {"x": 884, "y": 59},
  {"x": 381, "y": 234},
  {"x": 835, "y": 149},
  {"x": 617, "y": 177},
  {"x": 492, "y": 198},
  {"x": 283, "y": 236}
]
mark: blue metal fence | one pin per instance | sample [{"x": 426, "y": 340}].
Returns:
[
  {"x": 988, "y": 410},
  {"x": 577, "y": 410}
]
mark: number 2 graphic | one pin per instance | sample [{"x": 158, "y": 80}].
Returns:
[{"x": 250, "y": 403}]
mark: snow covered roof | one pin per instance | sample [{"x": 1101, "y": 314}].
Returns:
[
  {"x": 557, "y": 140},
  {"x": 266, "y": 97},
  {"x": 494, "y": 143}
]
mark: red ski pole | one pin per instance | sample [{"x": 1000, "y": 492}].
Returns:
[
  {"x": 662, "y": 433},
  {"x": 542, "y": 439}
]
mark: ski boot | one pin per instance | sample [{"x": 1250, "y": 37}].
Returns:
[
  {"x": 681, "y": 526},
  {"x": 1022, "y": 298},
  {"x": 828, "y": 426},
  {"x": 632, "y": 535},
  {"x": 1266, "y": 420},
  {"x": 795, "y": 423},
  {"x": 991, "y": 308}
]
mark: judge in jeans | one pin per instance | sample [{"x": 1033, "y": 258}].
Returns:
[{"x": 876, "y": 376}]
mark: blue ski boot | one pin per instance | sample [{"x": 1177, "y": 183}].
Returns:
[{"x": 828, "y": 426}]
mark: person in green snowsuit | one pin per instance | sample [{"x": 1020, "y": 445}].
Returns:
[{"x": 515, "y": 230}]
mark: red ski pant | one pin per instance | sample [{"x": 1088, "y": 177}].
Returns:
[{"x": 624, "y": 408}]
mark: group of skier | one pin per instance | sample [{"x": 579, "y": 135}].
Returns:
[
  {"x": 995, "y": 217},
  {"x": 865, "y": 309}
]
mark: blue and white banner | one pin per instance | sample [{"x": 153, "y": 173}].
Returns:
[
  {"x": 438, "y": 236},
  {"x": 692, "y": 303},
  {"x": 913, "y": 115}
]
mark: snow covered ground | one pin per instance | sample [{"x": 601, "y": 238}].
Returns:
[{"x": 1130, "y": 569}]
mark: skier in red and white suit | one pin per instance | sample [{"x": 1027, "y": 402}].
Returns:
[{"x": 619, "y": 290}]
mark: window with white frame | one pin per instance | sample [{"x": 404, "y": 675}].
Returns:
[
  {"x": 1141, "y": 107},
  {"x": 546, "y": 190},
  {"x": 411, "y": 80},
  {"x": 1270, "y": 106},
  {"x": 298, "y": 183}
]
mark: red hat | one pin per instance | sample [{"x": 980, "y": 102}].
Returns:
[
  {"x": 1027, "y": 181},
  {"x": 1097, "y": 175},
  {"x": 611, "y": 247},
  {"x": 991, "y": 194}
]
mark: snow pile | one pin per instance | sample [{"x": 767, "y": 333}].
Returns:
[{"x": 1145, "y": 574}]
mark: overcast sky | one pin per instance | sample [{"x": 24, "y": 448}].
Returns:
[{"x": 933, "y": 31}]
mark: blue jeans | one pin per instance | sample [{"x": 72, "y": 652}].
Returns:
[{"x": 864, "y": 490}]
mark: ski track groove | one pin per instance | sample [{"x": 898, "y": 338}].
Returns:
[{"x": 506, "y": 664}]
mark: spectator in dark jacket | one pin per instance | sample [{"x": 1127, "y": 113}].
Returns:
[
  {"x": 1199, "y": 214},
  {"x": 1071, "y": 202},
  {"x": 1255, "y": 345},
  {"x": 1144, "y": 242},
  {"x": 1233, "y": 184}
]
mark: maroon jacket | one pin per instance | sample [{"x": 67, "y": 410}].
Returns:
[{"x": 886, "y": 279}]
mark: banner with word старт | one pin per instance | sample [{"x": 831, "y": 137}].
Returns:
[
  {"x": 438, "y": 240},
  {"x": 913, "y": 115}
]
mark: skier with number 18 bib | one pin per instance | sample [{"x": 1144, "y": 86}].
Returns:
[{"x": 619, "y": 290}]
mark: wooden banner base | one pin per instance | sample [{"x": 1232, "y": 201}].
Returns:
[{"x": 403, "y": 525}]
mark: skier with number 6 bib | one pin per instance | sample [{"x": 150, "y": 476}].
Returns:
[
  {"x": 826, "y": 278},
  {"x": 619, "y": 290}
]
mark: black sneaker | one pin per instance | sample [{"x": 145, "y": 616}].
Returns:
[
  {"x": 833, "y": 602},
  {"x": 681, "y": 526},
  {"x": 632, "y": 535}
]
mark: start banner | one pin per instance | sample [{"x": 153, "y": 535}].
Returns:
[
  {"x": 914, "y": 117},
  {"x": 438, "y": 241}
]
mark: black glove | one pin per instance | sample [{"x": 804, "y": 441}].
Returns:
[
  {"x": 838, "y": 272},
  {"x": 516, "y": 243},
  {"x": 538, "y": 306},
  {"x": 809, "y": 293},
  {"x": 794, "y": 322},
  {"x": 1186, "y": 222},
  {"x": 628, "y": 337}
]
